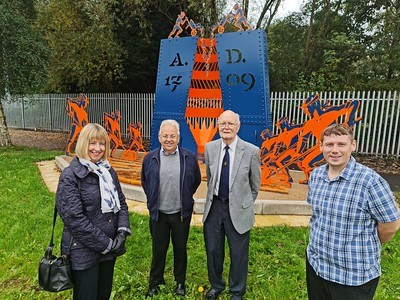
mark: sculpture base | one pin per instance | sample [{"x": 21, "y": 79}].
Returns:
[{"x": 268, "y": 203}]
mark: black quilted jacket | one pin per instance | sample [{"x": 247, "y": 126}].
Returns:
[{"x": 80, "y": 210}]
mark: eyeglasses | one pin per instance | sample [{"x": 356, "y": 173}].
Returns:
[
  {"x": 225, "y": 124},
  {"x": 166, "y": 136}
]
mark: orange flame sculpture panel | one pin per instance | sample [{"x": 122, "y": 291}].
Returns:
[
  {"x": 113, "y": 128},
  {"x": 135, "y": 142},
  {"x": 125, "y": 164},
  {"x": 291, "y": 144},
  {"x": 204, "y": 104},
  {"x": 76, "y": 108}
]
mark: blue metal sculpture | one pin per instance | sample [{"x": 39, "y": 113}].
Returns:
[{"x": 235, "y": 64}]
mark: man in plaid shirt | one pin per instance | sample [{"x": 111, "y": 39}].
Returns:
[{"x": 353, "y": 214}]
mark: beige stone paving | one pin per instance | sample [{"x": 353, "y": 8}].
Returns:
[{"x": 50, "y": 174}]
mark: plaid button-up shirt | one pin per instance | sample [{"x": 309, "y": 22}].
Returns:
[{"x": 344, "y": 246}]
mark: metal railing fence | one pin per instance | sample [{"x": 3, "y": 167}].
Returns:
[
  {"x": 378, "y": 133},
  {"x": 48, "y": 112}
]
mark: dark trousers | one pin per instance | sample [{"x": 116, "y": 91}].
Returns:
[
  {"x": 218, "y": 225},
  {"x": 94, "y": 283},
  {"x": 169, "y": 226},
  {"x": 321, "y": 289}
]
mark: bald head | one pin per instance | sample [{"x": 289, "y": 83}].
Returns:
[
  {"x": 229, "y": 114},
  {"x": 228, "y": 126}
]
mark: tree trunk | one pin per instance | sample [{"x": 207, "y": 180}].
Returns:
[
  {"x": 273, "y": 13},
  {"x": 5, "y": 140},
  {"x": 309, "y": 48},
  {"x": 262, "y": 14},
  {"x": 214, "y": 12},
  {"x": 268, "y": 7},
  {"x": 245, "y": 7},
  {"x": 389, "y": 21}
]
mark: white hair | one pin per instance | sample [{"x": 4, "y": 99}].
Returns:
[{"x": 171, "y": 123}]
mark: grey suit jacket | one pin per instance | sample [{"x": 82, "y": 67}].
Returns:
[{"x": 245, "y": 182}]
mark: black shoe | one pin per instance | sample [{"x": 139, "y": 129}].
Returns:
[
  {"x": 153, "y": 291},
  {"x": 212, "y": 294},
  {"x": 180, "y": 289}
]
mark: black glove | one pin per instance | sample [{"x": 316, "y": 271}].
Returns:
[{"x": 119, "y": 241}]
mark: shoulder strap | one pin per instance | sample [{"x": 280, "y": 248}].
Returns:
[
  {"x": 51, "y": 244},
  {"x": 54, "y": 224}
]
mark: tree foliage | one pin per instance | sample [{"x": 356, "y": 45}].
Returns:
[
  {"x": 140, "y": 27},
  {"x": 23, "y": 55},
  {"x": 347, "y": 45},
  {"x": 285, "y": 50},
  {"x": 113, "y": 45},
  {"x": 23, "y": 52},
  {"x": 85, "y": 54}
]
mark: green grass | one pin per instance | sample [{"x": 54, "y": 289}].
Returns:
[
  {"x": 276, "y": 269},
  {"x": 397, "y": 197}
]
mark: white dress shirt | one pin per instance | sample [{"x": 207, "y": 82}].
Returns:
[{"x": 232, "y": 149}]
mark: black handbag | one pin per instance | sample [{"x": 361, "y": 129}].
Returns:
[{"x": 54, "y": 273}]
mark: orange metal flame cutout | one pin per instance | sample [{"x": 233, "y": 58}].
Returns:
[
  {"x": 181, "y": 20},
  {"x": 235, "y": 16},
  {"x": 112, "y": 126},
  {"x": 240, "y": 18},
  {"x": 204, "y": 103},
  {"x": 76, "y": 108},
  {"x": 291, "y": 145},
  {"x": 135, "y": 142}
]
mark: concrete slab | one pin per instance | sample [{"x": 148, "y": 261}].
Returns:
[{"x": 50, "y": 174}]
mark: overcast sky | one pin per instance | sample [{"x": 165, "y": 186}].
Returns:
[
  {"x": 289, "y": 6},
  {"x": 286, "y": 7}
]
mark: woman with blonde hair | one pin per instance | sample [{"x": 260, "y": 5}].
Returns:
[{"x": 92, "y": 207}]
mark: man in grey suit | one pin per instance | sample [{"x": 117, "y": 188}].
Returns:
[{"x": 233, "y": 180}]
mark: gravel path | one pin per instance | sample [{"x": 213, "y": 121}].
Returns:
[{"x": 39, "y": 139}]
